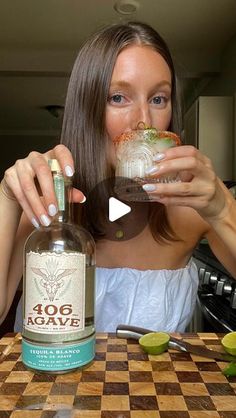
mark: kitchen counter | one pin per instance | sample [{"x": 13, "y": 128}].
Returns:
[{"x": 122, "y": 382}]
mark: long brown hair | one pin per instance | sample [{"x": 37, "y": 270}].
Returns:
[{"x": 84, "y": 130}]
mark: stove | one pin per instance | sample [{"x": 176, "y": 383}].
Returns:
[{"x": 216, "y": 301}]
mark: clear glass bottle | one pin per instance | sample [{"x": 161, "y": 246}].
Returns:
[{"x": 58, "y": 290}]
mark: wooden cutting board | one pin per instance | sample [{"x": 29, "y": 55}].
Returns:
[{"x": 122, "y": 382}]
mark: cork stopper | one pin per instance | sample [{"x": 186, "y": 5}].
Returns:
[{"x": 54, "y": 165}]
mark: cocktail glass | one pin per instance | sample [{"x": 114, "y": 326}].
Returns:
[{"x": 135, "y": 151}]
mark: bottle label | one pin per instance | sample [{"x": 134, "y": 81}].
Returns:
[
  {"x": 54, "y": 292},
  {"x": 60, "y": 358}
]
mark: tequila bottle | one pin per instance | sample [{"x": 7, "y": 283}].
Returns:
[{"x": 58, "y": 289}]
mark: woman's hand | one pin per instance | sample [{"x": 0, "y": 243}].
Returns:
[
  {"x": 29, "y": 181},
  {"x": 198, "y": 187}
]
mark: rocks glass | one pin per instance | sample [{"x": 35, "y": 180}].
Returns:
[{"x": 135, "y": 151}]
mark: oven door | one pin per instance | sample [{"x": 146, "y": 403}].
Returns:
[
  {"x": 211, "y": 315},
  {"x": 212, "y": 312},
  {"x": 217, "y": 315}
]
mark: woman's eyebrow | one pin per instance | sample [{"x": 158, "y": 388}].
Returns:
[
  {"x": 126, "y": 84},
  {"x": 163, "y": 83},
  {"x": 120, "y": 84}
]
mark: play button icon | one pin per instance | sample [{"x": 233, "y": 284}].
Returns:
[{"x": 117, "y": 209}]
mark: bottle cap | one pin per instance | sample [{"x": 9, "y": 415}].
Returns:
[{"x": 54, "y": 165}]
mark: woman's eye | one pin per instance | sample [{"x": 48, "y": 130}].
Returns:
[
  {"x": 116, "y": 98},
  {"x": 159, "y": 100}
]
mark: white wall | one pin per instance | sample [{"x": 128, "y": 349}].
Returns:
[{"x": 225, "y": 85}]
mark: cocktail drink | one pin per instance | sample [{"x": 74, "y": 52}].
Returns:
[{"x": 135, "y": 152}]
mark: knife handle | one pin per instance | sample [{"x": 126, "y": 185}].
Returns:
[{"x": 130, "y": 331}]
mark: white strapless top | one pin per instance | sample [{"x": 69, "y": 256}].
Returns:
[{"x": 162, "y": 300}]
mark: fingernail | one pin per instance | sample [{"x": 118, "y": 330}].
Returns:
[
  {"x": 148, "y": 187},
  {"x": 152, "y": 170},
  {"x": 158, "y": 157},
  {"x": 52, "y": 210},
  {"x": 35, "y": 223},
  {"x": 84, "y": 199},
  {"x": 45, "y": 220},
  {"x": 68, "y": 170}
]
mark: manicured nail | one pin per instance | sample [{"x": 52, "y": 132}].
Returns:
[
  {"x": 45, "y": 220},
  {"x": 84, "y": 199},
  {"x": 152, "y": 170},
  {"x": 52, "y": 210},
  {"x": 35, "y": 223},
  {"x": 149, "y": 187},
  {"x": 68, "y": 170},
  {"x": 158, "y": 157}
]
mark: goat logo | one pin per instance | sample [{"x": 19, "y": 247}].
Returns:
[{"x": 52, "y": 277}]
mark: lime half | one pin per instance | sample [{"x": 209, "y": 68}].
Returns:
[
  {"x": 229, "y": 343},
  {"x": 154, "y": 342}
]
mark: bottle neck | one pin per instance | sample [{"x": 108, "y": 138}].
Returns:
[{"x": 63, "y": 191}]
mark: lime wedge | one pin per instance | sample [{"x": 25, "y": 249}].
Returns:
[
  {"x": 230, "y": 370},
  {"x": 229, "y": 343},
  {"x": 154, "y": 342}
]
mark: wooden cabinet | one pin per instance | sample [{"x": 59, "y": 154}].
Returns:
[{"x": 208, "y": 125}]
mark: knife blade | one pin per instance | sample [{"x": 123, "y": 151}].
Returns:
[{"x": 129, "y": 331}]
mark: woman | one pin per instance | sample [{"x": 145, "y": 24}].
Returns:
[{"x": 123, "y": 75}]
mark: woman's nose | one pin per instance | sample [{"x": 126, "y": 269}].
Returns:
[{"x": 142, "y": 114}]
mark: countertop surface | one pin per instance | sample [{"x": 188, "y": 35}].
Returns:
[{"x": 122, "y": 382}]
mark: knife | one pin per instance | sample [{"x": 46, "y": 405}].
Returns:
[{"x": 129, "y": 331}]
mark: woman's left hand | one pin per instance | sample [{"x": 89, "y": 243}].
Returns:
[{"x": 198, "y": 187}]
